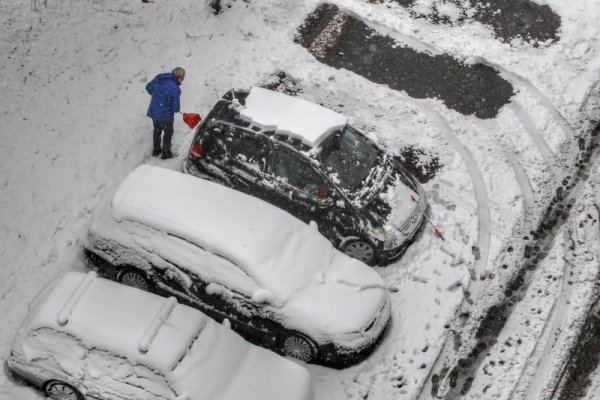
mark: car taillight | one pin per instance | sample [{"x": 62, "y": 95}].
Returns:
[{"x": 195, "y": 151}]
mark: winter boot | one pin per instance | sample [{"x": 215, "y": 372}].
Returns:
[{"x": 166, "y": 155}]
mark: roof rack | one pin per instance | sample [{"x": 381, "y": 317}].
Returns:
[
  {"x": 65, "y": 312},
  {"x": 161, "y": 317}
]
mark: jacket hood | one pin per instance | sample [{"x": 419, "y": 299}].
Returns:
[{"x": 164, "y": 77}]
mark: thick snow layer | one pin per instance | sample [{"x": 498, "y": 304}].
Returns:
[
  {"x": 216, "y": 353},
  {"x": 291, "y": 116},
  {"x": 318, "y": 288},
  {"x": 181, "y": 344},
  {"x": 103, "y": 317},
  {"x": 73, "y": 123}
]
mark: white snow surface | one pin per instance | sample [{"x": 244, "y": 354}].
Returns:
[
  {"x": 317, "y": 288},
  {"x": 291, "y": 116},
  {"x": 73, "y": 124},
  {"x": 184, "y": 343}
]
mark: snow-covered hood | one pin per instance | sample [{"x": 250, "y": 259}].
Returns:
[
  {"x": 221, "y": 365},
  {"x": 344, "y": 299},
  {"x": 390, "y": 197}
]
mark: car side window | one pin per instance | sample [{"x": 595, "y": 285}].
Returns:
[
  {"x": 247, "y": 147},
  {"x": 115, "y": 373},
  {"x": 208, "y": 266},
  {"x": 295, "y": 172}
]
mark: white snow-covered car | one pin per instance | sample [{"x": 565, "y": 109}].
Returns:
[
  {"x": 278, "y": 281},
  {"x": 87, "y": 337}
]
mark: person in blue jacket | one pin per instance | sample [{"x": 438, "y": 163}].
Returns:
[{"x": 165, "y": 92}]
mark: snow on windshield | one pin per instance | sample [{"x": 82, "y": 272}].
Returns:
[{"x": 291, "y": 116}]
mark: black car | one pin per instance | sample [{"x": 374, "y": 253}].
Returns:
[{"x": 307, "y": 160}]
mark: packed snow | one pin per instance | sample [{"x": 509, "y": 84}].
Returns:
[
  {"x": 291, "y": 116},
  {"x": 73, "y": 124}
]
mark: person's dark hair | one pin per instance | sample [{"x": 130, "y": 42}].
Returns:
[{"x": 179, "y": 73}]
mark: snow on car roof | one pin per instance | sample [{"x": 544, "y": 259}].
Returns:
[
  {"x": 280, "y": 252},
  {"x": 291, "y": 116},
  {"x": 115, "y": 317}
]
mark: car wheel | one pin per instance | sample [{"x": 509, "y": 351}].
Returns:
[
  {"x": 360, "y": 250},
  {"x": 58, "y": 390},
  {"x": 297, "y": 346},
  {"x": 134, "y": 278}
]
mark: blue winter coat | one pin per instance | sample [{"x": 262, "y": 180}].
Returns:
[{"x": 165, "y": 92}]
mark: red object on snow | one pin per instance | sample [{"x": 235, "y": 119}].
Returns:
[{"x": 191, "y": 119}]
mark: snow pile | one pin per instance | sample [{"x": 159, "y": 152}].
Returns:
[{"x": 291, "y": 116}]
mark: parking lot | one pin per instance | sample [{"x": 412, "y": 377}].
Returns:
[{"x": 502, "y": 133}]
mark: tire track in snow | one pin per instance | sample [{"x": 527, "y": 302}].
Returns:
[
  {"x": 547, "y": 342},
  {"x": 457, "y": 378},
  {"x": 524, "y": 183},
  {"x": 479, "y": 187},
  {"x": 540, "y": 142}
]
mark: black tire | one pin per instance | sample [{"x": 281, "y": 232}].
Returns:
[
  {"x": 135, "y": 278},
  {"x": 299, "y": 346},
  {"x": 361, "y": 250},
  {"x": 59, "y": 390}
]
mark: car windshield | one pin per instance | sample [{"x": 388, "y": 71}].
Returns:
[{"x": 348, "y": 157}]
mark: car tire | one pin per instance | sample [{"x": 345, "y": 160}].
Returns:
[
  {"x": 59, "y": 390},
  {"x": 361, "y": 250},
  {"x": 135, "y": 278},
  {"x": 299, "y": 347}
]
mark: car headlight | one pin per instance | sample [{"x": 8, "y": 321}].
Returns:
[
  {"x": 389, "y": 238},
  {"x": 378, "y": 233}
]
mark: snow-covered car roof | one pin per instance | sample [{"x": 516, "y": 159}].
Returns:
[
  {"x": 178, "y": 341},
  {"x": 280, "y": 252},
  {"x": 292, "y": 116},
  {"x": 146, "y": 328}
]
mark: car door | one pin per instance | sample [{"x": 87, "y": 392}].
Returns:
[
  {"x": 246, "y": 152},
  {"x": 299, "y": 188},
  {"x": 254, "y": 318},
  {"x": 229, "y": 295}
]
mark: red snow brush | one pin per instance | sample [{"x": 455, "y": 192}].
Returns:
[{"x": 191, "y": 119}]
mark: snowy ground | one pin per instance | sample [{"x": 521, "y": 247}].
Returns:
[{"x": 73, "y": 122}]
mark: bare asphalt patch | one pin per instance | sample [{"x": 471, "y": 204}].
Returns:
[
  {"x": 342, "y": 41},
  {"x": 509, "y": 19}
]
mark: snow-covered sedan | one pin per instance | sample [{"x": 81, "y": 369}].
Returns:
[
  {"x": 278, "y": 281},
  {"x": 307, "y": 160},
  {"x": 87, "y": 337}
]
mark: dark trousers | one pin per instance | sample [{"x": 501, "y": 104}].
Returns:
[{"x": 159, "y": 128}]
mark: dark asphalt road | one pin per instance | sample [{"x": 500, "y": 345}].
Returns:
[
  {"x": 509, "y": 19},
  {"x": 469, "y": 89}
]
